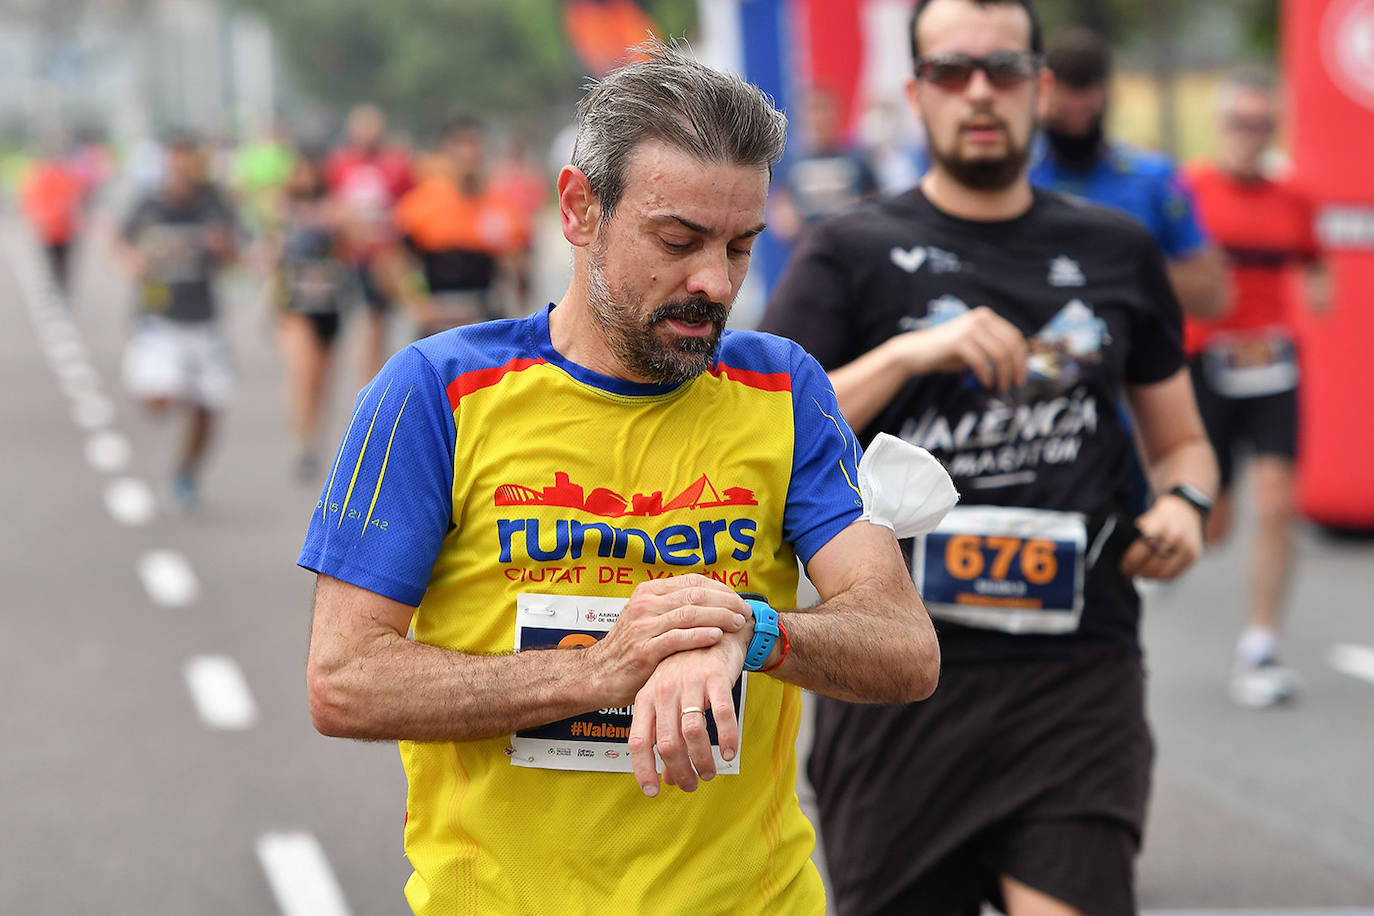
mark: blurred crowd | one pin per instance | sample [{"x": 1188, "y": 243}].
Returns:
[{"x": 396, "y": 236}]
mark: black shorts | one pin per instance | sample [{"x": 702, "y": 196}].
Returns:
[
  {"x": 1038, "y": 770},
  {"x": 325, "y": 325},
  {"x": 1265, "y": 425},
  {"x": 373, "y": 297}
]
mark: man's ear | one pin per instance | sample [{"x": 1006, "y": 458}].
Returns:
[
  {"x": 913, "y": 100},
  {"x": 578, "y": 207}
]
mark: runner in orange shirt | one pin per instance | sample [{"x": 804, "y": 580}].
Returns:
[
  {"x": 51, "y": 194},
  {"x": 464, "y": 235},
  {"x": 1244, "y": 363}
]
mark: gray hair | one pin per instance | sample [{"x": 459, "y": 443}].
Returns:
[{"x": 671, "y": 97}]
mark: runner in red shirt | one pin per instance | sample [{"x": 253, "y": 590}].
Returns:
[
  {"x": 367, "y": 177},
  {"x": 1244, "y": 363}
]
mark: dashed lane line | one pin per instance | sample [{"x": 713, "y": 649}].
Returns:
[
  {"x": 108, "y": 451},
  {"x": 299, "y": 875},
  {"x": 130, "y": 501},
  {"x": 220, "y": 692},
  {"x": 1356, "y": 661},
  {"x": 168, "y": 578}
]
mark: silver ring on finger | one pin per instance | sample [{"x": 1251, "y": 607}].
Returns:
[{"x": 691, "y": 709}]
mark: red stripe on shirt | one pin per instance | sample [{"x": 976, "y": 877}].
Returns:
[
  {"x": 764, "y": 381},
  {"x": 477, "y": 379}
]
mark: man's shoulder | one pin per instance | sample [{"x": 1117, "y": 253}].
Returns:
[
  {"x": 1147, "y": 165},
  {"x": 481, "y": 353},
  {"x": 872, "y": 217},
  {"x": 758, "y": 351},
  {"x": 1077, "y": 212}
]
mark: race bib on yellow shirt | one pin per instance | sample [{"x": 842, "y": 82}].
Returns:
[
  {"x": 1009, "y": 569},
  {"x": 596, "y": 741}
]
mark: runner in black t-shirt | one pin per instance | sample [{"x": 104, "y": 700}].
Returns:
[
  {"x": 172, "y": 243},
  {"x": 998, "y": 327}
]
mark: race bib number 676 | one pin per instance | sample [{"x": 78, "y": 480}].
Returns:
[{"x": 1009, "y": 569}]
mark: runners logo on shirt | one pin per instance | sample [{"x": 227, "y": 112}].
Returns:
[
  {"x": 678, "y": 545},
  {"x": 1064, "y": 271}
]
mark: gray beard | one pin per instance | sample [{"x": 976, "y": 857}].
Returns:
[{"x": 632, "y": 339}]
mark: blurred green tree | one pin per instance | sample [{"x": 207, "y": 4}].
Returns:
[{"x": 424, "y": 59}]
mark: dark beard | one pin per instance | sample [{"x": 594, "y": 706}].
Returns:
[
  {"x": 1076, "y": 151},
  {"x": 635, "y": 340},
  {"x": 984, "y": 174}
]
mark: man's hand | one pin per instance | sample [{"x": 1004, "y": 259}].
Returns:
[
  {"x": 980, "y": 340},
  {"x": 1170, "y": 540},
  {"x": 670, "y": 713},
  {"x": 662, "y": 617}
]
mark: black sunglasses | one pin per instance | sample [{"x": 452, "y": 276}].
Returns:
[{"x": 952, "y": 72}]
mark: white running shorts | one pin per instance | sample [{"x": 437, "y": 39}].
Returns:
[{"x": 187, "y": 361}]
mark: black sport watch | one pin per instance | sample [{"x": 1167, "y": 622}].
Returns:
[{"x": 1194, "y": 497}]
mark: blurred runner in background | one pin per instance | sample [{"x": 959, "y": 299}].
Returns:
[
  {"x": 367, "y": 176},
  {"x": 312, "y": 286},
  {"x": 1077, "y": 158},
  {"x": 465, "y": 235},
  {"x": 172, "y": 244},
  {"x": 260, "y": 170},
  {"x": 1244, "y": 364},
  {"x": 519, "y": 177},
  {"x": 51, "y": 194},
  {"x": 826, "y": 177}
]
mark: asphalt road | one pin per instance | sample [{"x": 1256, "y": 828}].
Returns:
[{"x": 157, "y": 755}]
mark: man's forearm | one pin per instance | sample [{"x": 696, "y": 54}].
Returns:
[
  {"x": 1191, "y": 461},
  {"x": 1200, "y": 283},
  {"x": 401, "y": 689},
  {"x": 871, "y": 644},
  {"x": 868, "y": 384}
]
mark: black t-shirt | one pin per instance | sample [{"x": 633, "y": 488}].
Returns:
[
  {"x": 173, "y": 235},
  {"x": 1085, "y": 285}
]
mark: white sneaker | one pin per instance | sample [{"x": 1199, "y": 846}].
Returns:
[{"x": 1263, "y": 684}]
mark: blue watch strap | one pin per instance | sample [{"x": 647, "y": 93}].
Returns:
[{"x": 765, "y": 632}]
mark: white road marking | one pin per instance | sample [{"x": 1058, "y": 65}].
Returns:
[
  {"x": 108, "y": 451},
  {"x": 299, "y": 874},
  {"x": 1356, "y": 661},
  {"x": 168, "y": 578},
  {"x": 93, "y": 412},
  {"x": 220, "y": 692},
  {"x": 130, "y": 501}
]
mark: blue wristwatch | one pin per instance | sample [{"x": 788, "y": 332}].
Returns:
[{"x": 765, "y": 631}]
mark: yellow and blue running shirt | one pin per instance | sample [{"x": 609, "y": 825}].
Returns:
[{"x": 479, "y": 465}]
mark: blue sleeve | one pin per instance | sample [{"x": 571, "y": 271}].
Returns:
[
  {"x": 1180, "y": 233},
  {"x": 388, "y": 501},
  {"x": 823, "y": 498}
]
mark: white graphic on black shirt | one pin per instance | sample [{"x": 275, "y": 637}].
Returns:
[
  {"x": 940, "y": 260},
  {"x": 909, "y": 260},
  {"x": 1064, "y": 271},
  {"x": 1042, "y": 422},
  {"x": 938, "y": 311}
]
